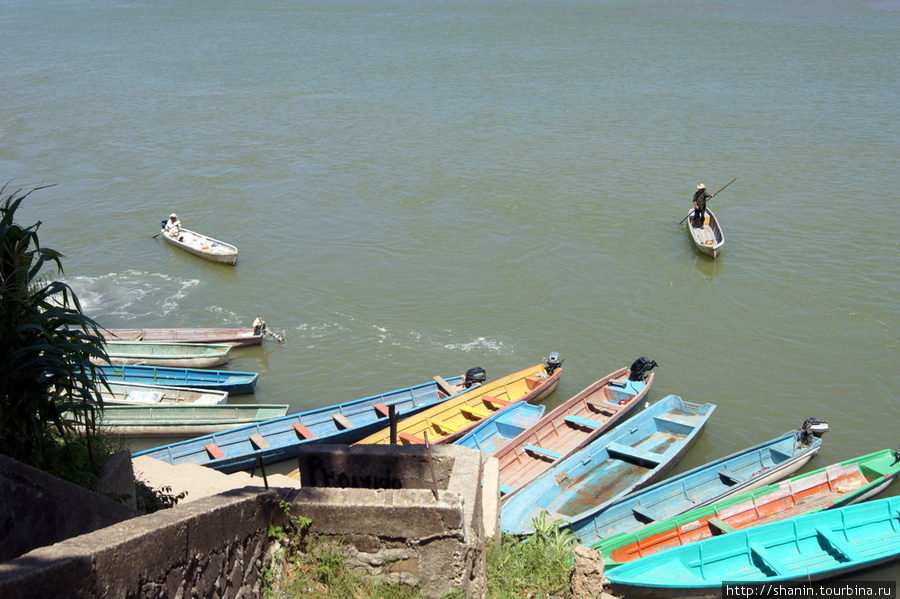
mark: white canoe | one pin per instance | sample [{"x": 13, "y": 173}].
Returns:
[
  {"x": 708, "y": 238},
  {"x": 203, "y": 246},
  {"x": 179, "y": 355},
  {"x": 138, "y": 394}
]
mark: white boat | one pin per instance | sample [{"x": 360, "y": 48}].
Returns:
[
  {"x": 708, "y": 238},
  {"x": 138, "y": 394},
  {"x": 178, "y": 355},
  {"x": 203, "y": 246}
]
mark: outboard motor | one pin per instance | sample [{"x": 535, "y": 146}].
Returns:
[
  {"x": 474, "y": 376},
  {"x": 812, "y": 427},
  {"x": 553, "y": 362},
  {"x": 640, "y": 368}
]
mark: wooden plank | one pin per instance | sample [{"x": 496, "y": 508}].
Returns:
[
  {"x": 541, "y": 452},
  {"x": 474, "y": 413},
  {"x": 214, "y": 452},
  {"x": 628, "y": 453},
  {"x": 839, "y": 544},
  {"x": 259, "y": 441},
  {"x": 444, "y": 385},
  {"x": 731, "y": 477},
  {"x": 302, "y": 431},
  {"x": 342, "y": 421},
  {"x": 767, "y": 558},
  {"x": 579, "y": 421},
  {"x": 720, "y": 525},
  {"x": 446, "y": 426},
  {"x": 411, "y": 439},
  {"x": 495, "y": 401},
  {"x": 382, "y": 410}
]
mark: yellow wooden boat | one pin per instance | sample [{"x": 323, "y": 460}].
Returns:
[{"x": 449, "y": 420}]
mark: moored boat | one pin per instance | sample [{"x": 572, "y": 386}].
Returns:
[
  {"x": 742, "y": 471},
  {"x": 450, "y": 420},
  {"x": 233, "y": 336},
  {"x": 708, "y": 237},
  {"x": 573, "y": 424},
  {"x": 278, "y": 439},
  {"x": 204, "y": 246},
  {"x": 139, "y": 394},
  {"x": 620, "y": 462},
  {"x": 818, "y": 546},
  {"x": 501, "y": 428},
  {"x": 172, "y": 420},
  {"x": 233, "y": 382},
  {"x": 183, "y": 355},
  {"x": 836, "y": 485}
]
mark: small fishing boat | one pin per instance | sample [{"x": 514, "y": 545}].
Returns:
[
  {"x": 169, "y": 420},
  {"x": 278, "y": 439},
  {"x": 235, "y": 337},
  {"x": 573, "y": 424},
  {"x": 152, "y": 395},
  {"x": 742, "y": 471},
  {"x": 204, "y": 246},
  {"x": 818, "y": 546},
  {"x": 450, "y": 420},
  {"x": 501, "y": 428},
  {"x": 231, "y": 381},
  {"x": 620, "y": 462},
  {"x": 183, "y": 355},
  {"x": 836, "y": 485},
  {"x": 708, "y": 238}
]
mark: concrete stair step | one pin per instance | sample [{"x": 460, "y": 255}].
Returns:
[{"x": 199, "y": 481}]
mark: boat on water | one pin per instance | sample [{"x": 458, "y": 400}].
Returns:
[
  {"x": 836, "y": 485},
  {"x": 233, "y": 336},
  {"x": 742, "y": 471},
  {"x": 501, "y": 428},
  {"x": 573, "y": 424},
  {"x": 278, "y": 439},
  {"x": 233, "y": 382},
  {"x": 204, "y": 246},
  {"x": 818, "y": 546},
  {"x": 620, "y": 462},
  {"x": 153, "y": 395},
  {"x": 179, "y": 355},
  {"x": 176, "y": 420},
  {"x": 451, "y": 419},
  {"x": 708, "y": 238}
]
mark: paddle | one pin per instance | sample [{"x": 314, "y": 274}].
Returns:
[
  {"x": 158, "y": 234},
  {"x": 711, "y": 197}
]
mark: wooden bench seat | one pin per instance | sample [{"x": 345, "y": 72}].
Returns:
[
  {"x": 258, "y": 441},
  {"x": 445, "y": 426},
  {"x": 474, "y": 413},
  {"x": 541, "y": 452},
  {"x": 412, "y": 439},
  {"x": 214, "y": 452},
  {"x": 838, "y": 543},
  {"x": 731, "y": 477},
  {"x": 769, "y": 560},
  {"x": 495, "y": 401},
  {"x": 342, "y": 421},
  {"x": 631, "y": 454},
  {"x": 302, "y": 431},
  {"x": 584, "y": 422}
]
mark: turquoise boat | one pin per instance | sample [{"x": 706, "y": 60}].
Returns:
[
  {"x": 232, "y": 382},
  {"x": 742, "y": 471},
  {"x": 502, "y": 427},
  {"x": 178, "y": 355},
  {"x": 278, "y": 439},
  {"x": 844, "y": 483},
  {"x": 173, "y": 420},
  {"x": 819, "y": 546},
  {"x": 632, "y": 456}
]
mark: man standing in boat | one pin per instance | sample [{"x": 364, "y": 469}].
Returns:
[
  {"x": 700, "y": 197},
  {"x": 173, "y": 226}
]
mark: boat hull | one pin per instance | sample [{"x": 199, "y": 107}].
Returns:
[
  {"x": 235, "y": 337},
  {"x": 279, "y": 439},
  {"x": 177, "y": 355},
  {"x": 620, "y": 462},
  {"x": 708, "y": 239},
  {"x": 204, "y": 246},
  {"x": 231, "y": 381},
  {"x": 502, "y": 427},
  {"x": 183, "y": 420}
]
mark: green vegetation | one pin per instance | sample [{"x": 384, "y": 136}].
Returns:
[{"x": 46, "y": 347}]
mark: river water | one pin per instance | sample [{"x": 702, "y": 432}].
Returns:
[{"x": 421, "y": 187}]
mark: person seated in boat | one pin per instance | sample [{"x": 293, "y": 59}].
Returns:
[
  {"x": 172, "y": 226},
  {"x": 700, "y": 197}
]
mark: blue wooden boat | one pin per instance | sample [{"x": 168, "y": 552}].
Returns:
[
  {"x": 501, "y": 428},
  {"x": 231, "y": 381},
  {"x": 818, "y": 546},
  {"x": 845, "y": 483},
  {"x": 632, "y": 456},
  {"x": 277, "y": 439},
  {"x": 745, "y": 470}
]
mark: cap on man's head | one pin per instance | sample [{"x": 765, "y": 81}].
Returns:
[
  {"x": 701, "y": 186},
  {"x": 173, "y": 215}
]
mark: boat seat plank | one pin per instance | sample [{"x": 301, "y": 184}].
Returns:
[
  {"x": 342, "y": 421},
  {"x": 214, "y": 452},
  {"x": 541, "y": 452},
  {"x": 731, "y": 477},
  {"x": 618, "y": 383},
  {"x": 411, "y": 439},
  {"x": 382, "y": 410},
  {"x": 258, "y": 441},
  {"x": 444, "y": 385},
  {"x": 302, "y": 431},
  {"x": 643, "y": 513},
  {"x": 839, "y": 544},
  {"x": 720, "y": 525},
  {"x": 446, "y": 426},
  {"x": 601, "y": 408},
  {"x": 579, "y": 421},
  {"x": 769, "y": 560},
  {"x": 496, "y": 401},
  {"x": 628, "y": 453},
  {"x": 474, "y": 413}
]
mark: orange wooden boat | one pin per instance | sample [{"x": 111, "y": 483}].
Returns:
[
  {"x": 451, "y": 419},
  {"x": 573, "y": 424}
]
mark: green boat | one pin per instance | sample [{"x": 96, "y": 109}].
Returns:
[{"x": 183, "y": 355}]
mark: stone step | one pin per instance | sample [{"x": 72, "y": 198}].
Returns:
[{"x": 199, "y": 481}]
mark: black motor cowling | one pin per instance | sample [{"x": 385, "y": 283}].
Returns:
[
  {"x": 640, "y": 368},
  {"x": 475, "y": 376},
  {"x": 553, "y": 362},
  {"x": 812, "y": 427}
]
